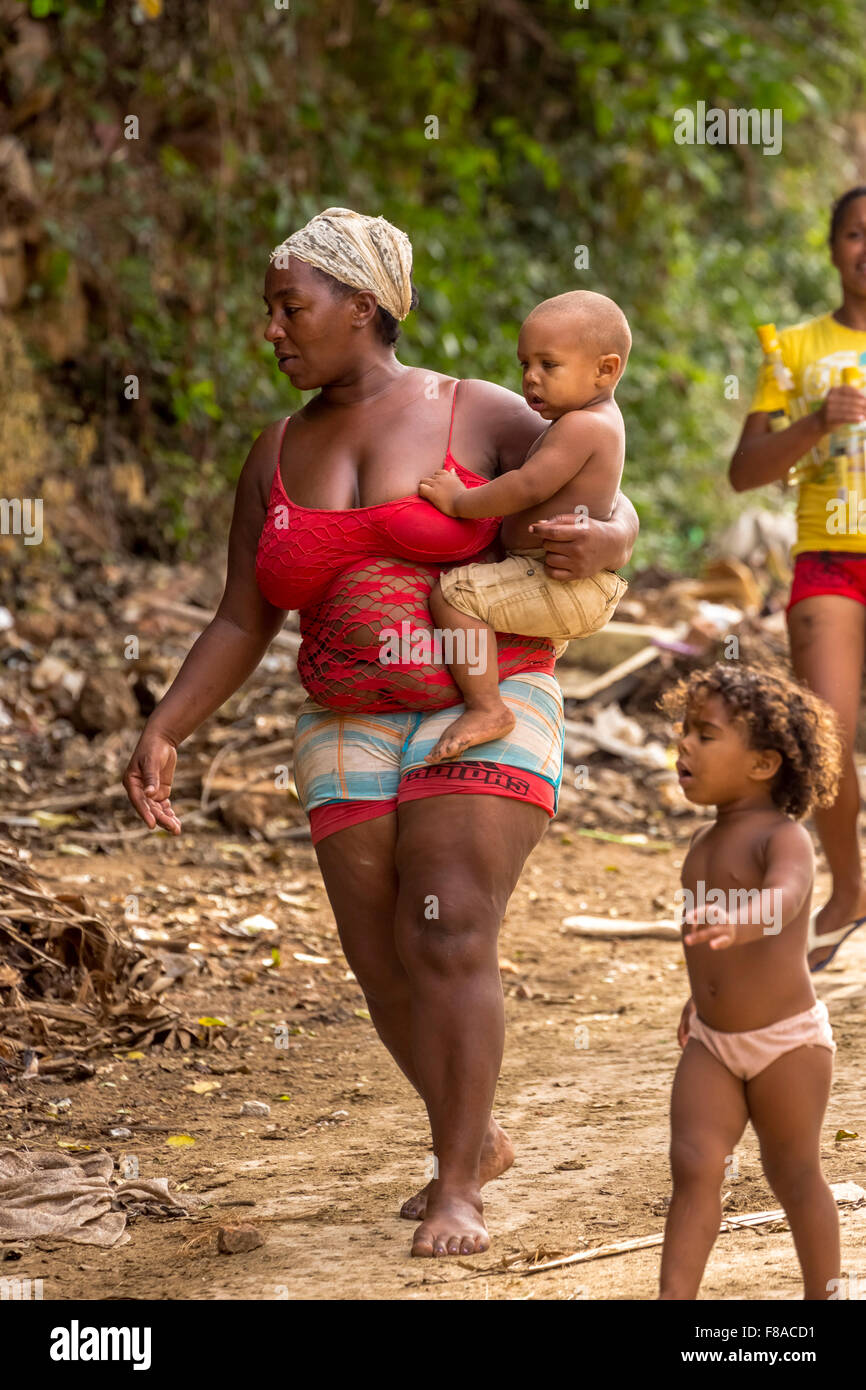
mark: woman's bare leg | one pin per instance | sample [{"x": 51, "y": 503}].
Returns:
[
  {"x": 458, "y": 859},
  {"x": 827, "y": 647},
  {"x": 708, "y": 1116},
  {"x": 360, "y": 877},
  {"x": 787, "y": 1102}
]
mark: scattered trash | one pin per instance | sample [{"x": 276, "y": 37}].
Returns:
[
  {"x": 848, "y": 1193},
  {"x": 599, "y": 735},
  {"x": 65, "y": 1198},
  {"x": 257, "y": 923},
  {"x": 255, "y": 1107}
]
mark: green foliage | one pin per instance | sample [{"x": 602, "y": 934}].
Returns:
[
  {"x": 41, "y": 9},
  {"x": 556, "y": 130}
]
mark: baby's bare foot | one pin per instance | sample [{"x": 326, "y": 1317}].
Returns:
[
  {"x": 474, "y": 727},
  {"x": 454, "y": 1225},
  {"x": 497, "y": 1156}
]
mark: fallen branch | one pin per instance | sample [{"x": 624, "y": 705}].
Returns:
[
  {"x": 845, "y": 1194},
  {"x": 251, "y": 754},
  {"x": 71, "y": 801},
  {"x": 666, "y": 930},
  {"x": 190, "y": 613}
]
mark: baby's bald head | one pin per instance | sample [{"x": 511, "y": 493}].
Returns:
[{"x": 598, "y": 324}]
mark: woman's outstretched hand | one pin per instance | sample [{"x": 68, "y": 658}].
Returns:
[{"x": 147, "y": 781}]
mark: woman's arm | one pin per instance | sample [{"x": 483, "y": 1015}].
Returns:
[
  {"x": 764, "y": 456},
  {"x": 226, "y": 653},
  {"x": 578, "y": 546}
]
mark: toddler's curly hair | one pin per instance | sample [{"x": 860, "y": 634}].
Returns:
[{"x": 779, "y": 713}]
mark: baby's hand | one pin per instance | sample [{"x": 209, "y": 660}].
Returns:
[{"x": 442, "y": 489}]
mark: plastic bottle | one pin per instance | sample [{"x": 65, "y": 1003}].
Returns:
[
  {"x": 783, "y": 408},
  {"x": 848, "y": 449},
  {"x": 778, "y": 382}
]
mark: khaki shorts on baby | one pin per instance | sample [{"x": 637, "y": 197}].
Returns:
[{"x": 515, "y": 595}]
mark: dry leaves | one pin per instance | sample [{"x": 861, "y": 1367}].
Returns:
[{"x": 69, "y": 982}]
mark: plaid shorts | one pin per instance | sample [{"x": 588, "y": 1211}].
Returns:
[{"x": 358, "y": 766}]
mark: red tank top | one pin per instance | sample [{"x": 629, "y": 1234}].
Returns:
[
  {"x": 361, "y": 573},
  {"x": 300, "y": 548}
]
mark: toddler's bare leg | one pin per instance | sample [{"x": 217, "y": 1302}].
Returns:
[
  {"x": 786, "y": 1103},
  {"x": 476, "y": 671},
  {"x": 708, "y": 1116}
]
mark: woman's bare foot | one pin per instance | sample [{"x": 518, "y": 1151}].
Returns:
[
  {"x": 474, "y": 727},
  {"x": 497, "y": 1156},
  {"x": 453, "y": 1225},
  {"x": 839, "y": 910}
]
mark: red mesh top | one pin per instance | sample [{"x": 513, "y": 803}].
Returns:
[{"x": 361, "y": 573}]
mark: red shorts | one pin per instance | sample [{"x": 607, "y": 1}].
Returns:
[
  {"x": 819, "y": 572},
  {"x": 442, "y": 779}
]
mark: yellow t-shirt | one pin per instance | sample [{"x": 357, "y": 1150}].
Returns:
[{"x": 815, "y": 353}]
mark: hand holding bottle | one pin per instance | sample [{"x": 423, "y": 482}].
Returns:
[{"x": 843, "y": 405}]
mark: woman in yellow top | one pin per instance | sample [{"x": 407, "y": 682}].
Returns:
[{"x": 827, "y": 608}]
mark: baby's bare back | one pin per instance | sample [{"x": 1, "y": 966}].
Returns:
[{"x": 596, "y": 437}]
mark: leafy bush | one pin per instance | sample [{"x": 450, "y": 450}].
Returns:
[{"x": 555, "y": 131}]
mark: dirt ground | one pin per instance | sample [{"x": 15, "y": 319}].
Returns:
[{"x": 324, "y": 1175}]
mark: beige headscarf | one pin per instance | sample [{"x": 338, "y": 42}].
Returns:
[{"x": 368, "y": 253}]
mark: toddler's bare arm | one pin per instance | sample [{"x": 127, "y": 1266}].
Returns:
[
  {"x": 562, "y": 453},
  {"x": 785, "y": 889}
]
